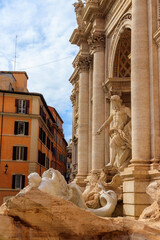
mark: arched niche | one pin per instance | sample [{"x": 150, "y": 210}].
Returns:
[{"x": 119, "y": 61}]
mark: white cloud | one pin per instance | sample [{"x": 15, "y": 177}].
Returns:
[{"x": 43, "y": 29}]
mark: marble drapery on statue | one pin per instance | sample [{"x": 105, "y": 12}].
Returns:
[
  {"x": 53, "y": 183},
  {"x": 120, "y": 133}
]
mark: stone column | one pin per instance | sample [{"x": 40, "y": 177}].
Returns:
[
  {"x": 136, "y": 177},
  {"x": 73, "y": 99},
  {"x": 154, "y": 44},
  {"x": 90, "y": 115},
  {"x": 140, "y": 83},
  {"x": 83, "y": 66},
  {"x": 98, "y": 108}
]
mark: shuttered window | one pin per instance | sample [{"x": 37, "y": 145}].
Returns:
[
  {"x": 47, "y": 162},
  {"x": 19, "y": 153},
  {"x": 21, "y": 128},
  {"x": 42, "y": 135},
  {"x": 22, "y": 106},
  {"x": 18, "y": 181},
  {"x": 52, "y": 164},
  {"x": 48, "y": 143},
  {"x": 41, "y": 158}
]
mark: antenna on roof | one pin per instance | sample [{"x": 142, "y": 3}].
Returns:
[{"x": 15, "y": 53}]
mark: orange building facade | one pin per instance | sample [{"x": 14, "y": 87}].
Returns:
[{"x": 31, "y": 135}]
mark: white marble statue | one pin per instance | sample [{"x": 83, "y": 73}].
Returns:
[
  {"x": 53, "y": 183},
  {"x": 108, "y": 201},
  {"x": 120, "y": 133},
  {"x": 78, "y": 10}
]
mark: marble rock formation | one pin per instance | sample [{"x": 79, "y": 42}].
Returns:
[
  {"x": 152, "y": 213},
  {"x": 35, "y": 215}
]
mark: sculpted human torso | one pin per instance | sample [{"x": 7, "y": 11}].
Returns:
[
  {"x": 120, "y": 133},
  {"x": 119, "y": 118}
]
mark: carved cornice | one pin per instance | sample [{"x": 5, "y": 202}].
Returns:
[
  {"x": 77, "y": 37},
  {"x": 96, "y": 42},
  {"x": 90, "y": 9},
  {"x": 116, "y": 86},
  {"x": 74, "y": 77}
]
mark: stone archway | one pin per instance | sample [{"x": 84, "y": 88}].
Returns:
[
  {"x": 122, "y": 61},
  {"x": 123, "y": 26},
  {"x": 119, "y": 62}
]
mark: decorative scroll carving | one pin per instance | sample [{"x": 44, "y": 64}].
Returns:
[
  {"x": 127, "y": 16},
  {"x": 96, "y": 41}
]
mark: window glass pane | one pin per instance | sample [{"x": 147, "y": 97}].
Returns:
[
  {"x": 21, "y": 153},
  {"x": 18, "y": 181},
  {"x": 22, "y": 106},
  {"x": 21, "y": 127}
]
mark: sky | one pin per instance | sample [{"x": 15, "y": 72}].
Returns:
[{"x": 43, "y": 29}]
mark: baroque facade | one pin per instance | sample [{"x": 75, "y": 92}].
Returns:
[{"x": 119, "y": 54}]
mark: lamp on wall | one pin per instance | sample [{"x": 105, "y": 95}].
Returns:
[{"x": 6, "y": 168}]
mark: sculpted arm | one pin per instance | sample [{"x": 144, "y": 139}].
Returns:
[{"x": 105, "y": 124}]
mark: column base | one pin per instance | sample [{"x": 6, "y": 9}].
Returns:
[
  {"x": 135, "y": 180},
  {"x": 155, "y": 164}
]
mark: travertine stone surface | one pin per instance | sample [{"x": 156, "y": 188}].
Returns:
[
  {"x": 98, "y": 149},
  {"x": 141, "y": 149},
  {"x": 83, "y": 123},
  {"x": 82, "y": 65},
  {"x": 137, "y": 174},
  {"x": 152, "y": 213},
  {"x": 37, "y": 215}
]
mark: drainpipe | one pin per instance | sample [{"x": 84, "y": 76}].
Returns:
[{"x": 1, "y": 126}]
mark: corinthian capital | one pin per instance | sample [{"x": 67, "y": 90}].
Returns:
[
  {"x": 82, "y": 63},
  {"x": 96, "y": 41}
]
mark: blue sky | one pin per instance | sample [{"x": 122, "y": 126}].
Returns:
[{"x": 43, "y": 29}]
